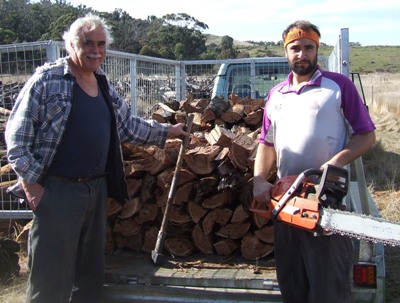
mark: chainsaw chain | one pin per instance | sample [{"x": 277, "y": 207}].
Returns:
[{"x": 358, "y": 236}]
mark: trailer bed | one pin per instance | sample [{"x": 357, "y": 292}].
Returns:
[{"x": 133, "y": 277}]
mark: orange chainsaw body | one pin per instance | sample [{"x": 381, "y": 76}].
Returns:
[{"x": 301, "y": 210}]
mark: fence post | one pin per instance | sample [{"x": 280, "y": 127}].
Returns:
[
  {"x": 133, "y": 69},
  {"x": 52, "y": 51},
  {"x": 181, "y": 82}
]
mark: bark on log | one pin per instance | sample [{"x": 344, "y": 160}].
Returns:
[{"x": 214, "y": 109}]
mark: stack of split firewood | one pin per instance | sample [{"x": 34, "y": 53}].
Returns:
[{"x": 210, "y": 212}]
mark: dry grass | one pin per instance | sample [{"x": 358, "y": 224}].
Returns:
[
  {"x": 382, "y": 163},
  {"x": 382, "y": 169},
  {"x": 15, "y": 292}
]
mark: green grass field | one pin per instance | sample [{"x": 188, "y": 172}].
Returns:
[{"x": 363, "y": 59}]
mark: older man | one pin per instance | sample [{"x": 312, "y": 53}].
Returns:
[{"x": 64, "y": 141}]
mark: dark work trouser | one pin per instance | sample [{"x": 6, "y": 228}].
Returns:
[
  {"x": 66, "y": 242},
  {"x": 312, "y": 269}
]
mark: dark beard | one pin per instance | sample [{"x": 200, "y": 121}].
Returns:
[{"x": 304, "y": 71}]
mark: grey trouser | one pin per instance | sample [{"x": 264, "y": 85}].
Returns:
[
  {"x": 312, "y": 269},
  {"x": 66, "y": 242}
]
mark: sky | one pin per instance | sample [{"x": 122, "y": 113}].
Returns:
[{"x": 370, "y": 22}]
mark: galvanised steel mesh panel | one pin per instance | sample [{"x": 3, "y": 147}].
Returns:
[
  {"x": 17, "y": 63},
  {"x": 156, "y": 82}
]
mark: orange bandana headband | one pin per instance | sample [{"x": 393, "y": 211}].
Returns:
[{"x": 297, "y": 33}]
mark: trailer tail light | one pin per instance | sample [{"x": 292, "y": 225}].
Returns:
[{"x": 364, "y": 274}]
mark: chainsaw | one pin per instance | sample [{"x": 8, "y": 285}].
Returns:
[{"x": 313, "y": 201}]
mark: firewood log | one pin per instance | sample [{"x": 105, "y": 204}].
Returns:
[
  {"x": 266, "y": 234},
  {"x": 205, "y": 187},
  {"x": 147, "y": 213},
  {"x": 233, "y": 114},
  {"x": 240, "y": 214},
  {"x": 218, "y": 216},
  {"x": 113, "y": 207},
  {"x": 202, "y": 241},
  {"x": 233, "y": 230},
  {"x": 126, "y": 227},
  {"x": 130, "y": 208},
  {"x": 196, "y": 211},
  {"x": 240, "y": 150},
  {"x": 253, "y": 249},
  {"x": 218, "y": 200},
  {"x": 214, "y": 109},
  {"x": 200, "y": 160},
  {"x": 134, "y": 186},
  {"x": 163, "y": 115},
  {"x": 254, "y": 118},
  {"x": 220, "y": 136},
  {"x": 149, "y": 239},
  {"x": 183, "y": 193},
  {"x": 179, "y": 247},
  {"x": 225, "y": 247},
  {"x": 148, "y": 188},
  {"x": 195, "y": 105},
  {"x": 179, "y": 215}
]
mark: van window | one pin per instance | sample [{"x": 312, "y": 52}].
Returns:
[{"x": 239, "y": 79}]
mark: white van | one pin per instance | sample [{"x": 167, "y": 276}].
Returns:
[{"x": 252, "y": 78}]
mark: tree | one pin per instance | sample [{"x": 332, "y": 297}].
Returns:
[
  {"x": 128, "y": 33},
  {"x": 227, "y": 43},
  {"x": 7, "y": 36},
  {"x": 227, "y": 49},
  {"x": 59, "y": 26},
  {"x": 176, "y": 36}
]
